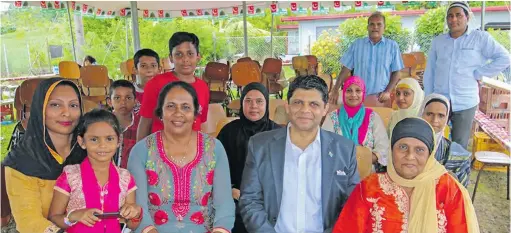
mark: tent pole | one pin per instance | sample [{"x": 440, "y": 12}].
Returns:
[
  {"x": 245, "y": 34},
  {"x": 71, "y": 31},
  {"x": 134, "y": 24},
  {"x": 483, "y": 13},
  {"x": 271, "y": 35}
]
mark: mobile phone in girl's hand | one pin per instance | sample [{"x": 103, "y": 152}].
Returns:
[{"x": 108, "y": 215}]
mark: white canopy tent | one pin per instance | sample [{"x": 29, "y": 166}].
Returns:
[{"x": 175, "y": 9}]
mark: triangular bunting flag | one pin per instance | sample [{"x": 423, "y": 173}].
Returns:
[
  {"x": 56, "y": 5},
  {"x": 184, "y": 13},
  {"x": 294, "y": 6},
  {"x": 199, "y": 12},
  {"x": 337, "y": 4},
  {"x": 273, "y": 8},
  {"x": 145, "y": 13},
  {"x": 315, "y": 6},
  {"x": 235, "y": 10},
  {"x": 160, "y": 14},
  {"x": 251, "y": 9},
  {"x": 215, "y": 12},
  {"x": 44, "y": 5}
]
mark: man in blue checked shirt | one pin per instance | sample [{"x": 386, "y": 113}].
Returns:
[
  {"x": 456, "y": 64},
  {"x": 375, "y": 59}
]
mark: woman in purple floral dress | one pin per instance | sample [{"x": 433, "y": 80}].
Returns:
[{"x": 182, "y": 175}]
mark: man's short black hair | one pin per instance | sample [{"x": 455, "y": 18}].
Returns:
[
  {"x": 181, "y": 37},
  {"x": 309, "y": 82},
  {"x": 147, "y": 53},
  {"x": 122, "y": 83}
]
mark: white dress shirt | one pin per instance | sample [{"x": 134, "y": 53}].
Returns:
[{"x": 301, "y": 208}]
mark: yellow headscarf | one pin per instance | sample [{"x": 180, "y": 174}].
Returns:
[
  {"x": 423, "y": 213},
  {"x": 413, "y": 110}
]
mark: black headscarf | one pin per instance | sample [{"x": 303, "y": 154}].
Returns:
[
  {"x": 33, "y": 156},
  {"x": 414, "y": 128},
  {"x": 234, "y": 136}
]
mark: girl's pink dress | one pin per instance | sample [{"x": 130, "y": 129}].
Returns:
[{"x": 78, "y": 180}]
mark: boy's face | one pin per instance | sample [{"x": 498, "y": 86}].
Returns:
[
  {"x": 122, "y": 100},
  {"x": 185, "y": 58},
  {"x": 147, "y": 68}
]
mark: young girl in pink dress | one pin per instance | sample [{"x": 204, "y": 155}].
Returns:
[{"x": 96, "y": 186}]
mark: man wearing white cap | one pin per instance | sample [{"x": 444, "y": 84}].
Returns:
[{"x": 457, "y": 61}]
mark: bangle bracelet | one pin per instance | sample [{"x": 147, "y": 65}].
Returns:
[
  {"x": 67, "y": 221},
  {"x": 139, "y": 216}
]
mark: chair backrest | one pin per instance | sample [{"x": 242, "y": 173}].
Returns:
[
  {"x": 69, "y": 70},
  {"x": 215, "y": 113},
  {"x": 421, "y": 60},
  {"x": 244, "y": 73},
  {"x": 300, "y": 65},
  {"x": 313, "y": 64},
  {"x": 216, "y": 71},
  {"x": 243, "y": 59},
  {"x": 274, "y": 104},
  {"x": 364, "y": 161},
  {"x": 124, "y": 69},
  {"x": 328, "y": 79},
  {"x": 280, "y": 116},
  {"x": 95, "y": 81},
  {"x": 221, "y": 123},
  {"x": 270, "y": 73},
  {"x": 26, "y": 92},
  {"x": 410, "y": 63},
  {"x": 384, "y": 113},
  {"x": 89, "y": 105}
]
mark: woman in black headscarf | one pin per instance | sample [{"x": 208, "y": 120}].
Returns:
[
  {"x": 49, "y": 144},
  {"x": 254, "y": 118}
]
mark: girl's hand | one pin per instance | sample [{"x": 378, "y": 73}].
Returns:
[
  {"x": 85, "y": 216},
  {"x": 129, "y": 211}
]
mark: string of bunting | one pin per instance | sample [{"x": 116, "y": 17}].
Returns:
[{"x": 276, "y": 8}]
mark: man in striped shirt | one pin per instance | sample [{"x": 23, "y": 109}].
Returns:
[{"x": 375, "y": 59}]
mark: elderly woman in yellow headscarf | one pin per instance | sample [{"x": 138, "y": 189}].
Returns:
[
  {"x": 416, "y": 195},
  {"x": 409, "y": 97}
]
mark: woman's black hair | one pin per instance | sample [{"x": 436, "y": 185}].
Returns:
[
  {"x": 178, "y": 84},
  {"x": 89, "y": 58},
  {"x": 99, "y": 115}
]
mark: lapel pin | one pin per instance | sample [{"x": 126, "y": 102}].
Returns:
[
  {"x": 330, "y": 154},
  {"x": 341, "y": 173}
]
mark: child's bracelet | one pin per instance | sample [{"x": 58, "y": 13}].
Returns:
[{"x": 135, "y": 220}]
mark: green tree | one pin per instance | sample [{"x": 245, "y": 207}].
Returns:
[{"x": 428, "y": 26}]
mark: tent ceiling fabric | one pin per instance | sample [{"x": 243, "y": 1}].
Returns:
[{"x": 167, "y": 5}]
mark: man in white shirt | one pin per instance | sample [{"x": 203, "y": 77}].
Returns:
[{"x": 297, "y": 179}]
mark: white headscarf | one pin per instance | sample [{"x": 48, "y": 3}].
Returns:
[
  {"x": 413, "y": 110},
  {"x": 427, "y": 100}
]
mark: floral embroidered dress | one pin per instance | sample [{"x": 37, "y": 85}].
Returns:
[
  {"x": 376, "y": 138},
  {"x": 108, "y": 198},
  {"x": 378, "y": 204},
  {"x": 190, "y": 199}
]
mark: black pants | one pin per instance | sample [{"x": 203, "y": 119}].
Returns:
[{"x": 239, "y": 226}]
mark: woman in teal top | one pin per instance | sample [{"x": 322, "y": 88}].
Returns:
[{"x": 182, "y": 175}]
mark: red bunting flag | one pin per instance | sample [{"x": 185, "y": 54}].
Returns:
[
  {"x": 18, "y": 4},
  {"x": 43, "y": 4},
  {"x": 215, "y": 12},
  {"x": 294, "y": 6},
  {"x": 98, "y": 11},
  {"x": 56, "y": 5},
  {"x": 184, "y": 13},
  {"x": 273, "y": 8},
  {"x": 145, "y": 13},
  {"x": 251, "y": 9},
  {"x": 160, "y": 13},
  {"x": 84, "y": 8},
  {"x": 122, "y": 12},
  {"x": 235, "y": 10},
  {"x": 109, "y": 13},
  {"x": 199, "y": 12},
  {"x": 381, "y": 3},
  {"x": 315, "y": 6},
  {"x": 358, "y": 3},
  {"x": 337, "y": 4},
  {"x": 73, "y": 5}
]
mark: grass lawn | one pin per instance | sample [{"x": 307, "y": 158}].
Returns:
[{"x": 5, "y": 136}]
